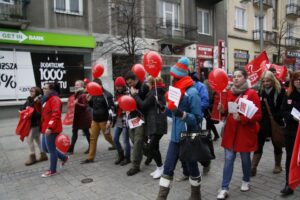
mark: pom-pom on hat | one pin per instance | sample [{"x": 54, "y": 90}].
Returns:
[
  {"x": 181, "y": 68},
  {"x": 120, "y": 82}
]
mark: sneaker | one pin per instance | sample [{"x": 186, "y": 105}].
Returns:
[
  {"x": 223, "y": 194},
  {"x": 245, "y": 186},
  {"x": 64, "y": 162},
  {"x": 133, "y": 171},
  {"x": 48, "y": 174},
  {"x": 182, "y": 178},
  {"x": 158, "y": 172}
]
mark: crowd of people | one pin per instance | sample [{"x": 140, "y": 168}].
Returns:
[{"x": 146, "y": 125}]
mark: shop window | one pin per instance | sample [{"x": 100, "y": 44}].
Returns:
[
  {"x": 72, "y": 7},
  {"x": 204, "y": 21},
  {"x": 169, "y": 14},
  {"x": 240, "y": 18}
]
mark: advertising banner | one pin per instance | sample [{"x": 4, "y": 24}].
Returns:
[{"x": 16, "y": 75}]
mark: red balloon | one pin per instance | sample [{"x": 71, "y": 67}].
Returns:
[
  {"x": 86, "y": 80},
  {"x": 62, "y": 143},
  {"x": 97, "y": 70},
  {"x": 152, "y": 63},
  {"x": 139, "y": 71},
  {"x": 94, "y": 89},
  {"x": 127, "y": 103},
  {"x": 218, "y": 79}
]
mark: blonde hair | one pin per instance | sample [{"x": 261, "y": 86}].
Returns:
[
  {"x": 151, "y": 79},
  {"x": 275, "y": 83},
  {"x": 81, "y": 83}
]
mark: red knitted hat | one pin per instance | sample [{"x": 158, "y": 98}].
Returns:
[{"x": 120, "y": 82}]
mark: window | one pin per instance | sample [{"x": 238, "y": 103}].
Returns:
[
  {"x": 7, "y": 1},
  {"x": 240, "y": 18},
  {"x": 256, "y": 23},
  {"x": 203, "y": 21},
  {"x": 290, "y": 30},
  {"x": 170, "y": 14},
  {"x": 73, "y": 7}
]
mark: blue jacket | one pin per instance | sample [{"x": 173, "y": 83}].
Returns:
[
  {"x": 202, "y": 89},
  {"x": 191, "y": 104}
]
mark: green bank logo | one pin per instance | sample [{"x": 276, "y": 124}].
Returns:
[{"x": 46, "y": 39}]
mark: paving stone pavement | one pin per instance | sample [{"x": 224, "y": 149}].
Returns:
[{"x": 110, "y": 182}]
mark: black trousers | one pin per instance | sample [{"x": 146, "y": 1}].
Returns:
[
  {"x": 261, "y": 142},
  {"x": 153, "y": 149},
  {"x": 289, "y": 146},
  {"x": 75, "y": 137}
]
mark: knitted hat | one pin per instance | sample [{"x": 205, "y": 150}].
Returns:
[
  {"x": 120, "y": 82},
  {"x": 181, "y": 68}
]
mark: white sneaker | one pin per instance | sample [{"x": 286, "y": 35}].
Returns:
[
  {"x": 245, "y": 186},
  {"x": 152, "y": 174},
  {"x": 158, "y": 173},
  {"x": 223, "y": 194}
]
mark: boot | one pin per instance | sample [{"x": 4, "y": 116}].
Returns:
[
  {"x": 120, "y": 157},
  {"x": 31, "y": 160},
  {"x": 286, "y": 191},
  {"x": 255, "y": 160},
  {"x": 164, "y": 182},
  {"x": 195, "y": 188},
  {"x": 277, "y": 169},
  {"x": 43, "y": 157},
  {"x": 125, "y": 161}
]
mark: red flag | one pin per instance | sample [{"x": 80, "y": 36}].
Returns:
[
  {"x": 68, "y": 120},
  {"x": 256, "y": 67},
  {"x": 281, "y": 71},
  {"x": 24, "y": 124},
  {"x": 294, "y": 175}
]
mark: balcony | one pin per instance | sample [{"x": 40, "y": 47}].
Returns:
[
  {"x": 269, "y": 36},
  {"x": 176, "y": 33},
  {"x": 13, "y": 14},
  {"x": 292, "y": 42},
  {"x": 209, "y": 2},
  {"x": 266, "y": 3},
  {"x": 292, "y": 11}
]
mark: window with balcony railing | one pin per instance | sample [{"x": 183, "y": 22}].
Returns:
[{"x": 72, "y": 7}]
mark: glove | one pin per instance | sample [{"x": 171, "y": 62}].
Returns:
[
  {"x": 171, "y": 105},
  {"x": 177, "y": 113}
]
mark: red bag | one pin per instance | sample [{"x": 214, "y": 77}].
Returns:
[
  {"x": 68, "y": 120},
  {"x": 24, "y": 125}
]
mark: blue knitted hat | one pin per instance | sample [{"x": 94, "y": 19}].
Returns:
[{"x": 181, "y": 68}]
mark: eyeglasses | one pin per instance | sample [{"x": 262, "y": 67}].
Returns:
[{"x": 297, "y": 80}]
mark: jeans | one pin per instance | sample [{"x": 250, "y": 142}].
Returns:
[
  {"x": 171, "y": 161},
  {"x": 48, "y": 145},
  {"x": 117, "y": 133},
  {"x": 228, "y": 167}
]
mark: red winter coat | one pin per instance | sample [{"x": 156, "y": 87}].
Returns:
[
  {"x": 51, "y": 115},
  {"x": 241, "y": 136}
]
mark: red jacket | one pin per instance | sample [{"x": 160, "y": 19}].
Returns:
[
  {"x": 241, "y": 136},
  {"x": 51, "y": 115}
]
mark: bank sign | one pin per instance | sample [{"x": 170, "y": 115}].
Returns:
[
  {"x": 19, "y": 71},
  {"x": 46, "y": 39}
]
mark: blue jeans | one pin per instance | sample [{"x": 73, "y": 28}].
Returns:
[
  {"x": 116, "y": 139},
  {"x": 171, "y": 161},
  {"x": 48, "y": 145},
  {"x": 228, "y": 167}
]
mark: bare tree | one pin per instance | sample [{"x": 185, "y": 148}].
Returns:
[{"x": 281, "y": 34}]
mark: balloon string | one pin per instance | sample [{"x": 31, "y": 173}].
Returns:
[
  {"x": 155, "y": 89},
  {"x": 221, "y": 104}
]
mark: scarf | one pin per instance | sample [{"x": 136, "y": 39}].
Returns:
[
  {"x": 240, "y": 90},
  {"x": 183, "y": 84}
]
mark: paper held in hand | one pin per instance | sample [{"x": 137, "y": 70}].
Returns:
[
  {"x": 174, "y": 95},
  {"x": 247, "y": 108},
  {"x": 296, "y": 113},
  {"x": 135, "y": 122}
]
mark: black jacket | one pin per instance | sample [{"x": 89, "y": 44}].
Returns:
[
  {"x": 36, "y": 116},
  {"x": 290, "y": 102},
  {"x": 143, "y": 90},
  {"x": 155, "y": 118},
  {"x": 101, "y": 106}
]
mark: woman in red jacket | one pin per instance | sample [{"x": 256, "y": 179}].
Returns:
[
  {"x": 51, "y": 126},
  {"x": 240, "y": 132}
]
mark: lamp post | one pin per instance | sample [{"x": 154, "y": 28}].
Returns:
[{"x": 261, "y": 26}]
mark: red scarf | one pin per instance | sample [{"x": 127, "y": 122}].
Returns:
[{"x": 182, "y": 84}]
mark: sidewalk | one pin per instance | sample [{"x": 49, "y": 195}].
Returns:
[{"x": 110, "y": 182}]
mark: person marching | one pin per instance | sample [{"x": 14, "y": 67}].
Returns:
[
  {"x": 121, "y": 125},
  {"x": 273, "y": 94},
  {"x": 291, "y": 100},
  {"x": 185, "y": 117},
  {"x": 155, "y": 120},
  {"x": 240, "y": 132},
  {"x": 82, "y": 116},
  {"x": 34, "y": 136}
]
